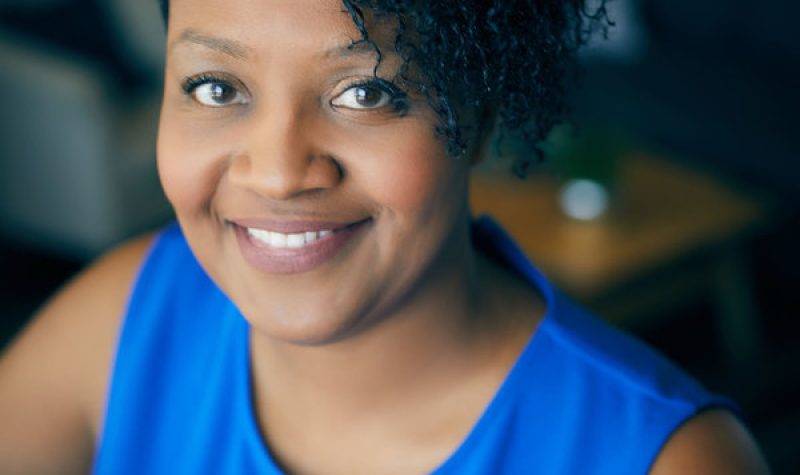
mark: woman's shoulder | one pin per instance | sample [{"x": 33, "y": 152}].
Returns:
[
  {"x": 55, "y": 374},
  {"x": 713, "y": 442}
]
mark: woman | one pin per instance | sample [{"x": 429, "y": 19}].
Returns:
[{"x": 327, "y": 305}]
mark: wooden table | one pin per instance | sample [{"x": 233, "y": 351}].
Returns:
[{"x": 671, "y": 235}]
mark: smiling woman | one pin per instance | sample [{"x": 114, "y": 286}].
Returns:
[{"x": 326, "y": 303}]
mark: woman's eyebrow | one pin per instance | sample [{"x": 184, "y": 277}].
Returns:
[
  {"x": 224, "y": 45},
  {"x": 358, "y": 48}
]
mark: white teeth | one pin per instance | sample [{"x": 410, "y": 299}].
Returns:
[
  {"x": 259, "y": 234},
  {"x": 280, "y": 240},
  {"x": 295, "y": 240},
  {"x": 277, "y": 239}
]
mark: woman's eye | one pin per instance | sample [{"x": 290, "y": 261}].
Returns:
[
  {"x": 364, "y": 97},
  {"x": 214, "y": 93}
]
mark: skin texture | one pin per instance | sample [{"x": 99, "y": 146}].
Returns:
[{"x": 407, "y": 327}]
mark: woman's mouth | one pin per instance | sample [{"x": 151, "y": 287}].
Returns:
[{"x": 291, "y": 247}]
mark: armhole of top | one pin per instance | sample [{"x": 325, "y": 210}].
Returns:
[
  {"x": 713, "y": 403},
  {"x": 134, "y": 288}
]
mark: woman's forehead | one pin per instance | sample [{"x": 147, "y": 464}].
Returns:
[
  {"x": 246, "y": 27},
  {"x": 254, "y": 18}
]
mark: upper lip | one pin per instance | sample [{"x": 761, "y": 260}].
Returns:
[{"x": 293, "y": 227}]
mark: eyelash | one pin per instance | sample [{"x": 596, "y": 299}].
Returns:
[
  {"x": 397, "y": 98},
  {"x": 190, "y": 84}
]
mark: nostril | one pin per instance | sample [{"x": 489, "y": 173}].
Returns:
[
  {"x": 337, "y": 166},
  {"x": 324, "y": 171}
]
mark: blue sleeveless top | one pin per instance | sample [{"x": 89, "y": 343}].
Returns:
[{"x": 582, "y": 398}]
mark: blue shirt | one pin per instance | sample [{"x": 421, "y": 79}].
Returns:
[{"x": 582, "y": 398}]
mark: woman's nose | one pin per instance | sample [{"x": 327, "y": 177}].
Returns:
[{"x": 281, "y": 159}]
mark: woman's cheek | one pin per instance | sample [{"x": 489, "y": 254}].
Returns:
[
  {"x": 186, "y": 165},
  {"x": 408, "y": 171}
]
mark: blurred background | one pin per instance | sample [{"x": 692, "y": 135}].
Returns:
[{"x": 670, "y": 205}]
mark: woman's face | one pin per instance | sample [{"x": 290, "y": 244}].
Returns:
[{"x": 315, "y": 195}]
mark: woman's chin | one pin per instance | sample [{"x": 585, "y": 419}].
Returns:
[{"x": 305, "y": 330}]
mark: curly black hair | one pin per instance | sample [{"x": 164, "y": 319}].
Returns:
[{"x": 509, "y": 59}]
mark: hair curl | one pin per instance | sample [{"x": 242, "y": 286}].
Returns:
[{"x": 508, "y": 57}]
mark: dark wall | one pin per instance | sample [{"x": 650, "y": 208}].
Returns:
[{"x": 717, "y": 83}]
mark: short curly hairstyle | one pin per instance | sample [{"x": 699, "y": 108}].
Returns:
[{"x": 509, "y": 57}]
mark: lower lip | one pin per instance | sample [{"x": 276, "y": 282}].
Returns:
[{"x": 294, "y": 260}]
